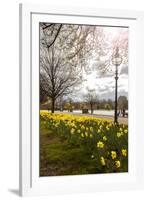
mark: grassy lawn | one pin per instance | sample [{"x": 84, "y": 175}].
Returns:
[{"x": 58, "y": 157}]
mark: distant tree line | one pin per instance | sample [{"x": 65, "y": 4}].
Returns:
[{"x": 89, "y": 103}]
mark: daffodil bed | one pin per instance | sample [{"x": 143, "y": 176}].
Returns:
[{"x": 71, "y": 144}]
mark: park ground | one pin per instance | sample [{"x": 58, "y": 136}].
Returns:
[{"x": 61, "y": 156}]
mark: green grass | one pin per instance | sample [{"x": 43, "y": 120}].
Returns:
[{"x": 58, "y": 157}]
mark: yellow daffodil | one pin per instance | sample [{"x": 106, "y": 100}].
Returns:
[
  {"x": 103, "y": 163},
  {"x": 124, "y": 152},
  {"x": 79, "y": 131},
  {"x": 91, "y": 129},
  {"x": 101, "y": 127},
  {"x": 99, "y": 131},
  {"x": 82, "y": 135},
  {"x": 82, "y": 127},
  {"x": 113, "y": 154},
  {"x": 100, "y": 144},
  {"x": 119, "y": 134},
  {"x": 107, "y": 128},
  {"x": 120, "y": 129},
  {"x": 117, "y": 164},
  {"x": 105, "y": 138},
  {"x": 72, "y": 131},
  {"x": 86, "y": 134},
  {"x": 125, "y": 131}
]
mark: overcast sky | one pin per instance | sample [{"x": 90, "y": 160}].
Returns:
[{"x": 104, "y": 85}]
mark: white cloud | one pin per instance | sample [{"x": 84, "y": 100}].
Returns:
[{"x": 104, "y": 86}]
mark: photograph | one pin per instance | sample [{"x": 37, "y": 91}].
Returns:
[{"x": 83, "y": 99}]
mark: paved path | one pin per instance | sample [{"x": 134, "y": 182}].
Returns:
[{"x": 121, "y": 120}]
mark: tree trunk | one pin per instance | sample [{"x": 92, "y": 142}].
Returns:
[{"x": 53, "y": 105}]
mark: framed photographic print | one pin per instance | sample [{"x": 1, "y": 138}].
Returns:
[{"x": 81, "y": 97}]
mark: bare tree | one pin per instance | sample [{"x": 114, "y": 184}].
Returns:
[
  {"x": 62, "y": 52},
  {"x": 106, "y": 45},
  {"x": 91, "y": 98},
  {"x": 52, "y": 31},
  {"x": 58, "y": 78},
  {"x": 43, "y": 88}
]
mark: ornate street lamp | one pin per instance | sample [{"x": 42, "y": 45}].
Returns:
[{"x": 116, "y": 60}]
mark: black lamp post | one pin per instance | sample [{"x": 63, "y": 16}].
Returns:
[{"x": 116, "y": 60}]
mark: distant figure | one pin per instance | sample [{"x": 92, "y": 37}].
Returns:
[{"x": 123, "y": 113}]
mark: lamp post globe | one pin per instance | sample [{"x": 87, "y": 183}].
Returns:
[{"x": 116, "y": 61}]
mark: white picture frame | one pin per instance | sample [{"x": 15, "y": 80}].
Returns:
[{"x": 30, "y": 182}]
